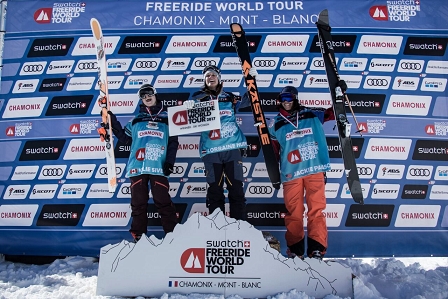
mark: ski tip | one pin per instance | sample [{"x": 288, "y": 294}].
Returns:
[
  {"x": 236, "y": 28},
  {"x": 323, "y": 18},
  {"x": 96, "y": 28}
]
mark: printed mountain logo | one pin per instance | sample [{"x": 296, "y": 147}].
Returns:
[
  {"x": 379, "y": 12},
  {"x": 59, "y": 13}
]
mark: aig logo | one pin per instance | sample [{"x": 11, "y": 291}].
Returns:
[{"x": 264, "y": 190}]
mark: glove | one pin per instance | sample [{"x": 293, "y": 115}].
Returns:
[
  {"x": 276, "y": 185},
  {"x": 342, "y": 85},
  {"x": 253, "y": 72},
  {"x": 113, "y": 120},
  {"x": 168, "y": 168},
  {"x": 189, "y": 104}
]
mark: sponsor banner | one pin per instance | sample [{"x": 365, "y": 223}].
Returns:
[
  {"x": 72, "y": 191},
  {"x": 439, "y": 192},
  {"x": 60, "y": 67},
  {"x": 43, "y": 191},
  {"x": 197, "y": 169},
  {"x": 107, "y": 215},
  {"x": 264, "y": 80},
  {"x": 16, "y": 191},
  {"x": 154, "y": 218},
  {"x": 366, "y": 171},
  {"x": 146, "y": 64},
  {"x": 266, "y": 214},
  {"x": 382, "y": 65},
  {"x": 225, "y": 44},
  {"x": 260, "y": 170},
  {"x": 411, "y": 66},
  {"x": 405, "y": 83},
  {"x": 265, "y": 63},
  {"x": 113, "y": 82},
  {"x": 259, "y": 190},
  {"x": 315, "y": 81},
  {"x": 419, "y": 172},
  {"x": 45, "y": 47},
  {"x": 120, "y": 104},
  {"x": 60, "y": 215},
  {"x": 228, "y": 63},
  {"x": 441, "y": 173},
  {"x": 70, "y": 105},
  {"x": 194, "y": 81},
  {"x": 33, "y": 68},
  {"x": 99, "y": 190},
  {"x": 317, "y": 64},
  {"x": 52, "y": 172},
  {"x": 377, "y": 82},
  {"x": 388, "y": 149},
  {"x": 437, "y": 67},
  {"x": 143, "y": 44},
  {"x": 369, "y": 215},
  {"x": 437, "y": 129},
  {"x": 42, "y": 150},
  {"x": 345, "y": 192},
  {"x": 417, "y": 215},
  {"x": 80, "y": 171},
  {"x": 174, "y": 64},
  {"x": 385, "y": 191},
  {"x": 194, "y": 190},
  {"x": 124, "y": 191},
  {"x": 120, "y": 168},
  {"x": 425, "y": 46},
  {"x": 168, "y": 81},
  {"x": 86, "y": 66},
  {"x": 372, "y": 126},
  {"x": 118, "y": 65},
  {"x": 232, "y": 80},
  {"x": 414, "y": 191},
  {"x": 179, "y": 170},
  {"x": 85, "y": 148},
  {"x": 85, "y": 45},
  {"x": 340, "y": 43},
  {"x": 374, "y": 44},
  {"x": 24, "y": 173},
  {"x": 25, "y": 86},
  {"x": 331, "y": 190},
  {"x": 246, "y": 168},
  {"x": 188, "y": 147},
  {"x": 253, "y": 146},
  {"x": 353, "y": 64},
  {"x": 390, "y": 172},
  {"x": 434, "y": 150},
  {"x": 285, "y": 43},
  {"x": 203, "y": 117},
  {"x": 336, "y": 171},
  {"x": 283, "y": 80},
  {"x": 334, "y": 147},
  {"x": 53, "y": 84},
  {"x": 199, "y": 63},
  {"x": 134, "y": 82},
  {"x": 294, "y": 63},
  {"x": 17, "y": 215},
  {"x": 352, "y": 81},
  {"x": 194, "y": 44},
  {"x": 365, "y": 103},
  {"x": 434, "y": 84},
  {"x": 174, "y": 188}
]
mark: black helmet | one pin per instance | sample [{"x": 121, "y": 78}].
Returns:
[
  {"x": 213, "y": 69},
  {"x": 146, "y": 89},
  {"x": 290, "y": 89},
  {"x": 285, "y": 95}
]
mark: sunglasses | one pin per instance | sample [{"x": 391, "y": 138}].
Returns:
[{"x": 286, "y": 97}]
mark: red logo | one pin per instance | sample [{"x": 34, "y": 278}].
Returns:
[
  {"x": 75, "y": 128},
  {"x": 180, "y": 118},
  {"x": 362, "y": 127},
  {"x": 430, "y": 130},
  {"x": 43, "y": 15},
  {"x": 214, "y": 134},
  {"x": 379, "y": 12},
  {"x": 192, "y": 260},
  {"x": 10, "y": 131},
  {"x": 294, "y": 157},
  {"x": 140, "y": 154}
]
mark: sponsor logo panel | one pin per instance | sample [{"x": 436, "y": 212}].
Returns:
[
  {"x": 50, "y": 47},
  {"x": 264, "y": 80},
  {"x": 72, "y": 191},
  {"x": 374, "y": 44},
  {"x": 197, "y": 169},
  {"x": 285, "y": 44},
  {"x": 437, "y": 67},
  {"x": 60, "y": 215},
  {"x": 52, "y": 172},
  {"x": 341, "y": 43},
  {"x": 283, "y": 80},
  {"x": 188, "y": 147},
  {"x": 391, "y": 172},
  {"x": 253, "y": 146},
  {"x": 259, "y": 190},
  {"x": 336, "y": 171},
  {"x": 417, "y": 216},
  {"x": 345, "y": 192},
  {"x": 369, "y": 215},
  {"x": 107, "y": 215},
  {"x": 334, "y": 147},
  {"x": 377, "y": 82},
  {"x": 353, "y": 64},
  {"x": 294, "y": 63},
  {"x": 33, "y": 68},
  {"x": 168, "y": 81},
  {"x": 411, "y": 66},
  {"x": 80, "y": 171},
  {"x": 125, "y": 191},
  {"x": 53, "y": 84},
  {"x": 173, "y": 98},
  {"x": 134, "y": 82},
  {"x": 228, "y": 63},
  {"x": 43, "y": 191},
  {"x": 331, "y": 190},
  {"x": 445, "y": 218},
  {"x": 6, "y": 171},
  {"x": 382, "y": 65},
  {"x": 434, "y": 150},
  {"x": 146, "y": 64},
  {"x": 366, "y": 103},
  {"x": 85, "y": 45},
  {"x": 419, "y": 172},
  {"x": 265, "y": 63},
  {"x": 439, "y": 192},
  {"x": 405, "y": 83},
  {"x": 142, "y": 44},
  {"x": 120, "y": 104},
  {"x": 260, "y": 170},
  {"x": 266, "y": 214},
  {"x": 17, "y": 215},
  {"x": 318, "y": 64},
  {"x": 194, "y": 44},
  {"x": 414, "y": 191},
  {"x": 86, "y": 66},
  {"x": 25, "y": 86},
  {"x": 118, "y": 65},
  {"x": 200, "y": 62},
  {"x": 388, "y": 149},
  {"x": 372, "y": 126},
  {"x": 315, "y": 81},
  {"x": 194, "y": 190},
  {"x": 69, "y": 105},
  {"x": 42, "y": 150},
  {"x": 225, "y": 44},
  {"x": 60, "y": 67},
  {"x": 434, "y": 84},
  {"x": 113, "y": 82},
  {"x": 385, "y": 191},
  {"x": 16, "y": 191},
  {"x": 425, "y": 46},
  {"x": 233, "y": 80},
  {"x": 441, "y": 173},
  {"x": 366, "y": 171},
  {"x": 59, "y": 13},
  {"x": 24, "y": 173},
  {"x": 172, "y": 64},
  {"x": 99, "y": 190},
  {"x": 352, "y": 81},
  {"x": 85, "y": 148},
  {"x": 439, "y": 109},
  {"x": 154, "y": 218}
]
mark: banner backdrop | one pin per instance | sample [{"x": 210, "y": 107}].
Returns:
[{"x": 54, "y": 198}]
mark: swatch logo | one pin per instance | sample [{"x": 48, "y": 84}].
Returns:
[
  {"x": 341, "y": 43},
  {"x": 69, "y": 105},
  {"x": 42, "y": 150},
  {"x": 426, "y": 46},
  {"x": 414, "y": 191},
  {"x": 369, "y": 215},
  {"x": 225, "y": 44},
  {"x": 60, "y": 215},
  {"x": 50, "y": 47},
  {"x": 56, "y": 84}
]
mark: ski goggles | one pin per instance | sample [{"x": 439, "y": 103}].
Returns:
[{"x": 286, "y": 97}]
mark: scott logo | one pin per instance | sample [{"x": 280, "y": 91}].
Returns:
[{"x": 192, "y": 260}]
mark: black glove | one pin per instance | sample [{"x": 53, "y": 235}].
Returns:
[
  {"x": 168, "y": 168},
  {"x": 114, "y": 121},
  {"x": 342, "y": 85},
  {"x": 276, "y": 185}
]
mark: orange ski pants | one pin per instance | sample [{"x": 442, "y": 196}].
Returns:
[{"x": 293, "y": 194}]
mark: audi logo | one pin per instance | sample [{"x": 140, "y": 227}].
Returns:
[
  {"x": 126, "y": 190},
  {"x": 260, "y": 189},
  {"x": 264, "y": 63},
  {"x": 411, "y": 66},
  {"x": 32, "y": 68},
  {"x": 146, "y": 64},
  {"x": 178, "y": 169},
  {"x": 52, "y": 172},
  {"x": 103, "y": 170},
  {"x": 419, "y": 172},
  {"x": 377, "y": 82},
  {"x": 318, "y": 63},
  {"x": 87, "y": 66},
  {"x": 364, "y": 170},
  {"x": 204, "y": 63}
]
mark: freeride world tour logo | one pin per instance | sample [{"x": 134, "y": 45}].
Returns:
[
  {"x": 59, "y": 13},
  {"x": 218, "y": 257},
  {"x": 396, "y": 11}
]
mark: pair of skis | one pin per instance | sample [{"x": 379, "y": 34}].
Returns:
[
  {"x": 338, "y": 96},
  {"x": 105, "y": 130}
]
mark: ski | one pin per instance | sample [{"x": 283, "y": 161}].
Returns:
[
  {"x": 105, "y": 130},
  {"x": 339, "y": 99},
  {"x": 242, "y": 49}
]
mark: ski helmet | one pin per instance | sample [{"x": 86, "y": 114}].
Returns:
[
  {"x": 289, "y": 94},
  {"x": 146, "y": 89},
  {"x": 212, "y": 69}
]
